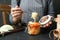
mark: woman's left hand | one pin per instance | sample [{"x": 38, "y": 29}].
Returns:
[{"x": 47, "y": 24}]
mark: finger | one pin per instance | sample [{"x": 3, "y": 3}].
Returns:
[
  {"x": 14, "y": 19},
  {"x": 50, "y": 22},
  {"x": 18, "y": 17},
  {"x": 41, "y": 25},
  {"x": 44, "y": 26},
  {"x": 13, "y": 13},
  {"x": 16, "y": 13},
  {"x": 47, "y": 25},
  {"x": 16, "y": 9},
  {"x": 19, "y": 12}
]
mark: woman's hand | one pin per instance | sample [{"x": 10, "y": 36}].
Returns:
[
  {"x": 48, "y": 23},
  {"x": 16, "y": 14}
]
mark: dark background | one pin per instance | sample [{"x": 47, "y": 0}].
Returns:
[{"x": 56, "y": 4}]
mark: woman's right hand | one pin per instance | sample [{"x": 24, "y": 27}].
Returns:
[{"x": 16, "y": 14}]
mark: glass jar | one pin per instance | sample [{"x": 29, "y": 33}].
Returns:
[{"x": 33, "y": 28}]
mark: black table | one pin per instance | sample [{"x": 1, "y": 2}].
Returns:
[{"x": 21, "y": 35}]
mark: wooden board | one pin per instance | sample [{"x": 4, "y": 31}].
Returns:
[{"x": 13, "y": 31}]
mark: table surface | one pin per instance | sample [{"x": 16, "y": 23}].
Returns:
[{"x": 22, "y": 35}]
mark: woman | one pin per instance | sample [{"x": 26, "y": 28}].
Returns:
[{"x": 23, "y": 12}]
